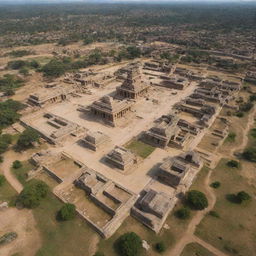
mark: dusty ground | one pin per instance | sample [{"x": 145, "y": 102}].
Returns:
[{"x": 22, "y": 222}]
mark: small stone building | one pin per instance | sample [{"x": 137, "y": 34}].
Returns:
[
  {"x": 172, "y": 171},
  {"x": 94, "y": 140},
  {"x": 121, "y": 158}
]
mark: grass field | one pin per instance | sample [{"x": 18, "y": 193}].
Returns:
[
  {"x": 234, "y": 231},
  {"x": 21, "y": 173},
  {"x": 62, "y": 238},
  {"x": 140, "y": 148},
  {"x": 195, "y": 249},
  {"x": 7, "y": 193}
]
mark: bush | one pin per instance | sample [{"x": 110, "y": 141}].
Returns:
[
  {"x": 160, "y": 247},
  {"x": 246, "y": 107},
  {"x": 27, "y": 138},
  {"x": 16, "y": 164},
  {"x": 54, "y": 68},
  {"x": 243, "y": 196},
  {"x": 2, "y": 180},
  {"x": 250, "y": 154},
  {"x": 67, "y": 212},
  {"x": 33, "y": 193},
  {"x": 197, "y": 200},
  {"x": 129, "y": 244},
  {"x": 240, "y": 114},
  {"x": 215, "y": 184},
  {"x": 182, "y": 213},
  {"x": 231, "y": 137},
  {"x": 214, "y": 214},
  {"x": 233, "y": 163}
]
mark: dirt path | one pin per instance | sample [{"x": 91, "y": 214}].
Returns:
[{"x": 9, "y": 157}]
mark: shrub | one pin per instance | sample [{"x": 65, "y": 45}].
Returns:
[
  {"x": 250, "y": 154},
  {"x": 27, "y": 138},
  {"x": 129, "y": 244},
  {"x": 160, "y": 247},
  {"x": 253, "y": 133},
  {"x": 214, "y": 214},
  {"x": 16, "y": 164},
  {"x": 231, "y": 137},
  {"x": 182, "y": 213},
  {"x": 67, "y": 212},
  {"x": 215, "y": 184},
  {"x": 2, "y": 180},
  {"x": 243, "y": 196},
  {"x": 246, "y": 107},
  {"x": 33, "y": 193},
  {"x": 233, "y": 163},
  {"x": 197, "y": 200},
  {"x": 240, "y": 114}
]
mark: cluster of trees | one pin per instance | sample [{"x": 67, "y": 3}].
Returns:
[
  {"x": 239, "y": 198},
  {"x": 32, "y": 194},
  {"x": 5, "y": 141},
  {"x": 169, "y": 57},
  {"x": 2, "y": 180},
  {"x": 27, "y": 138},
  {"x": 9, "y": 112},
  {"x": 9, "y": 82},
  {"x": 196, "y": 56},
  {"x": 20, "y": 53},
  {"x": 23, "y": 66}
]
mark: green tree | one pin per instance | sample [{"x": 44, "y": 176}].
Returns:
[
  {"x": 243, "y": 196},
  {"x": 33, "y": 193},
  {"x": 233, "y": 163},
  {"x": 54, "y": 68},
  {"x": 67, "y": 212},
  {"x": 160, "y": 247},
  {"x": 250, "y": 154},
  {"x": 183, "y": 213},
  {"x": 27, "y": 138},
  {"x": 129, "y": 244},
  {"x": 197, "y": 200},
  {"x": 16, "y": 164}
]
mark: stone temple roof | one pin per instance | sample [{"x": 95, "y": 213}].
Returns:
[
  {"x": 158, "y": 203},
  {"x": 121, "y": 155},
  {"x": 96, "y": 137}
]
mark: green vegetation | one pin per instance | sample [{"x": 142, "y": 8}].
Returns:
[
  {"x": 250, "y": 154},
  {"x": 219, "y": 231},
  {"x": 233, "y": 163},
  {"x": 129, "y": 244},
  {"x": 20, "y": 53},
  {"x": 215, "y": 184},
  {"x": 16, "y": 164},
  {"x": 197, "y": 200},
  {"x": 21, "y": 173},
  {"x": 8, "y": 83},
  {"x": 64, "y": 238},
  {"x": 9, "y": 112},
  {"x": 253, "y": 133},
  {"x": 238, "y": 198},
  {"x": 140, "y": 148},
  {"x": 240, "y": 114},
  {"x": 214, "y": 214},
  {"x": 67, "y": 212},
  {"x": 194, "y": 249},
  {"x": 160, "y": 247},
  {"x": 2, "y": 180},
  {"x": 32, "y": 194},
  {"x": 7, "y": 193},
  {"x": 231, "y": 137},
  {"x": 27, "y": 138},
  {"x": 5, "y": 141},
  {"x": 182, "y": 213},
  {"x": 23, "y": 64},
  {"x": 99, "y": 254}
]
